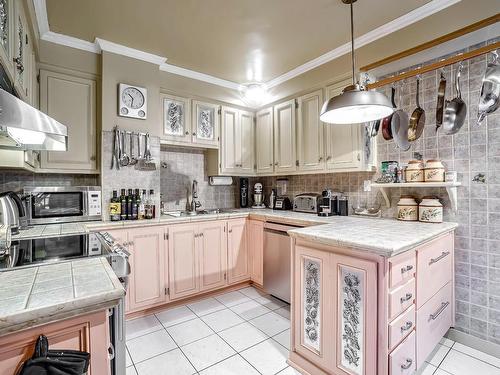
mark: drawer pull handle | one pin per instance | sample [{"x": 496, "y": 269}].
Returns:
[
  {"x": 407, "y": 326},
  {"x": 407, "y": 297},
  {"x": 408, "y": 364},
  {"x": 406, "y": 269},
  {"x": 444, "y": 305},
  {"x": 435, "y": 260}
]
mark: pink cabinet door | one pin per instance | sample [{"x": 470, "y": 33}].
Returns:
[
  {"x": 147, "y": 263},
  {"x": 237, "y": 250},
  {"x": 313, "y": 309},
  {"x": 212, "y": 250},
  {"x": 256, "y": 246},
  {"x": 355, "y": 284},
  {"x": 183, "y": 267}
]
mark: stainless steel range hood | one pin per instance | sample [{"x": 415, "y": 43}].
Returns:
[{"x": 23, "y": 127}]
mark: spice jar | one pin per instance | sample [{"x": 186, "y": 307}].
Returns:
[
  {"x": 407, "y": 208},
  {"x": 415, "y": 171},
  {"x": 430, "y": 210},
  {"x": 434, "y": 171}
]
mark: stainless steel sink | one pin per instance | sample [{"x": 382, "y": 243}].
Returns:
[{"x": 213, "y": 211}]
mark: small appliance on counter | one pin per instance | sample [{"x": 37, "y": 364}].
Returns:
[
  {"x": 283, "y": 203},
  {"x": 243, "y": 192},
  {"x": 307, "y": 202},
  {"x": 343, "y": 205},
  {"x": 328, "y": 203},
  {"x": 258, "y": 196},
  {"x": 272, "y": 199}
]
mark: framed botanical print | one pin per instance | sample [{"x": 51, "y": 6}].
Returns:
[
  {"x": 205, "y": 123},
  {"x": 176, "y": 119}
]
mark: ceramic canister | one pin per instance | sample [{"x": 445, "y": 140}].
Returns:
[
  {"x": 434, "y": 171},
  {"x": 415, "y": 171},
  {"x": 407, "y": 208},
  {"x": 430, "y": 210}
]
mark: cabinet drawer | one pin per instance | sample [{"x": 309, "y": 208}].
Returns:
[
  {"x": 433, "y": 320},
  {"x": 402, "y": 359},
  {"x": 401, "y": 298},
  {"x": 434, "y": 268},
  {"x": 402, "y": 268},
  {"x": 400, "y": 327}
]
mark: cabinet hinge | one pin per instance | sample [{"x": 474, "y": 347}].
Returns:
[
  {"x": 297, "y": 163},
  {"x": 296, "y": 103},
  {"x": 225, "y": 276},
  {"x": 167, "y": 291},
  {"x": 38, "y": 78},
  {"x": 219, "y": 111}
]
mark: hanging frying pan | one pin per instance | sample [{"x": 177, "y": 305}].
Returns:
[
  {"x": 489, "y": 100},
  {"x": 399, "y": 127},
  {"x": 417, "y": 119},
  {"x": 455, "y": 109},
  {"x": 386, "y": 121},
  {"x": 440, "y": 101}
]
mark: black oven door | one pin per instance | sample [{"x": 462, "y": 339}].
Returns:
[{"x": 52, "y": 205}]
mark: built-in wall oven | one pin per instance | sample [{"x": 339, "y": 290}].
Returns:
[
  {"x": 277, "y": 260},
  {"x": 62, "y": 204}
]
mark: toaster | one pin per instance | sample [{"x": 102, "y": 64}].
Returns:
[{"x": 307, "y": 202}]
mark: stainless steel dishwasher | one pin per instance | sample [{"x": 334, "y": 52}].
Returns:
[{"x": 277, "y": 260}]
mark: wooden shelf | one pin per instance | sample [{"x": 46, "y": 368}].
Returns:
[{"x": 451, "y": 189}]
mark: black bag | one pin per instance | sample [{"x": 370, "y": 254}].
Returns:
[{"x": 55, "y": 362}]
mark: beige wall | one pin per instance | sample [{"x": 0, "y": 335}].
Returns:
[{"x": 69, "y": 58}]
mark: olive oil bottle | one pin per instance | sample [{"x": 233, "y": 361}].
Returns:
[{"x": 115, "y": 207}]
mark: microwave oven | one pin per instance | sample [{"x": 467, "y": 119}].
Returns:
[{"x": 62, "y": 204}]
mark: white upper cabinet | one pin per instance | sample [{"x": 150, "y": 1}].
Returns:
[
  {"x": 205, "y": 124},
  {"x": 237, "y": 155},
  {"x": 70, "y": 100},
  {"x": 284, "y": 137},
  {"x": 176, "y": 118},
  {"x": 310, "y": 150},
  {"x": 264, "y": 141}
]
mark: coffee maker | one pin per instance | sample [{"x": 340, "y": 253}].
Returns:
[
  {"x": 243, "y": 192},
  {"x": 258, "y": 196}
]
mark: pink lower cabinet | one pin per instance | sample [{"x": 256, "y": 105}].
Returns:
[
  {"x": 334, "y": 312},
  {"x": 87, "y": 333},
  {"x": 256, "y": 248},
  {"x": 402, "y": 360},
  {"x": 237, "y": 251},
  {"x": 212, "y": 251}
]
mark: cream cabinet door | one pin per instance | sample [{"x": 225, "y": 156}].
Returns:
[
  {"x": 247, "y": 151},
  {"x": 71, "y": 100},
  {"x": 205, "y": 123},
  {"x": 310, "y": 132},
  {"x": 237, "y": 251},
  {"x": 343, "y": 143},
  {"x": 231, "y": 140},
  {"x": 183, "y": 267},
  {"x": 212, "y": 249},
  {"x": 284, "y": 137},
  {"x": 176, "y": 118},
  {"x": 264, "y": 145}
]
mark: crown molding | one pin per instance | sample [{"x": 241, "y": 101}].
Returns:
[
  {"x": 100, "y": 45},
  {"x": 399, "y": 23},
  {"x": 199, "y": 76},
  {"x": 105, "y": 45}
]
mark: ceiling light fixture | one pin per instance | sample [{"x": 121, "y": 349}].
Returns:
[
  {"x": 253, "y": 94},
  {"x": 355, "y": 104}
]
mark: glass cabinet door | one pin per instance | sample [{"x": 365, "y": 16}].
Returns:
[
  {"x": 6, "y": 33},
  {"x": 205, "y": 123},
  {"x": 176, "y": 119}
]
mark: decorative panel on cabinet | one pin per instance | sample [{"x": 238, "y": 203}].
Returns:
[
  {"x": 176, "y": 118},
  {"x": 205, "y": 123},
  {"x": 310, "y": 132},
  {"x": 284, "y": 137},
  {"x": 71, "y": 100},
  {"x": 264, "y": 144}
]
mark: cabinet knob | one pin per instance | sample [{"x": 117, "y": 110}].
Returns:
[
  {"x": 92, "y": 158},
  {"x": 230, "y": 231},
  {"x": 320, "y": 158},
  {"x": 194, "y": 134},
  {"x": 276, "y": 163},
  {"x": 187, "y": 133},
  {"x": 407, "y": 364},
  {"x": 328, "y": 158}
]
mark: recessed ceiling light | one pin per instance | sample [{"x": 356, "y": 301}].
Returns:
[{"x": 253, "y": 94}]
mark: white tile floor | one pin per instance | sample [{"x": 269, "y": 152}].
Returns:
[{"x": 248, "y": 333}]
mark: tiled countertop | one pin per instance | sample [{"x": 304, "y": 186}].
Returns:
[{"x": 47, "y": 293}]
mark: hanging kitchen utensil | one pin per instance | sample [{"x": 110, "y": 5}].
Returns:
[
  {"x": 417, "y": 119},
  {"x": 124, "y": 158},
  {"x": 440, "y": 101},
  {"x": 455, "y": 110},
  {"x": 386, "y": 121},
  {"x": 489, "y": 100},
  {"x": 115, "y": 157},
  {"x": 133, "y": 159},
  {"x": 146, "y": 163},
  {"x": 399, "y": 127}
]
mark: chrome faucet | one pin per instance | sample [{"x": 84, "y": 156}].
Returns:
[{"x": 195, "y": 203}]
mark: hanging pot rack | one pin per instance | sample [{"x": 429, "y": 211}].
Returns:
[{"x": 437, "y": 65}]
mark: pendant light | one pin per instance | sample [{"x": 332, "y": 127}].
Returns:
[{"x": 355, "y": 104}]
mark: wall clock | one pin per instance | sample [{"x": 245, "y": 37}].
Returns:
[{"x": 132, "y": 101}]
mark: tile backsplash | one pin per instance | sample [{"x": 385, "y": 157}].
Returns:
[{"x": 183, "y": 165}]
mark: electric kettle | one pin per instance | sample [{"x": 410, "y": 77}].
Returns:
[{"x": 11, "y": 211}]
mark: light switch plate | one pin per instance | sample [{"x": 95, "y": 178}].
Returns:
[{"x": 367, "y": 185}]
